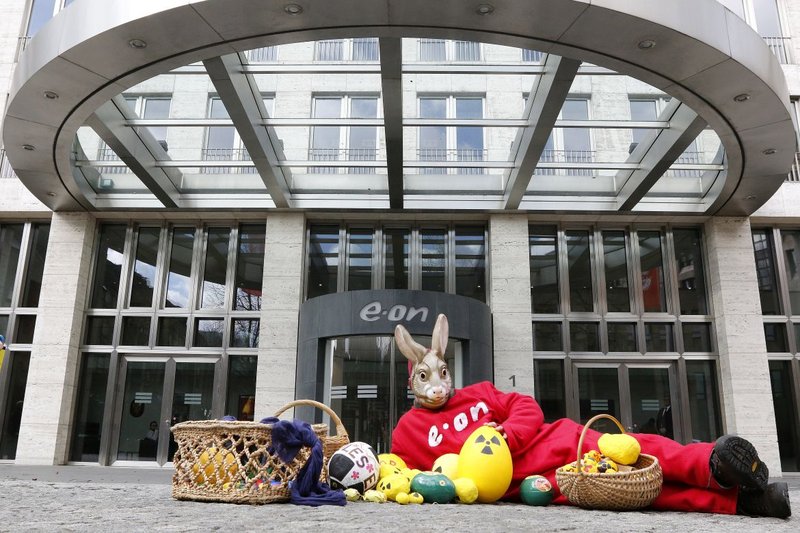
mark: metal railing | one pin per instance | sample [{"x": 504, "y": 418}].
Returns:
[
  {"x": 781, "y": 47},
  {"x": 566, "y": 156},
  {"x": 440, "y": 50},
  {"x": 342, "y": 154},
  {"x": 532, "y": 56},
  {"x": 466, "y": 51},
  {"x": 364, "y": 49},
  {"x": 267, "y": 54},
  {"x": 22, "y": 43},
  {"x": 794, "y": 173},
  {"x": 687, "y": 158},
  {"x": 332, "y": 50},
  {"x": 5, "y": 166},
  {"x": 107, "y": 154},
  {"x": 226, "y": 154},
  {"x": 465, "y": 155}
]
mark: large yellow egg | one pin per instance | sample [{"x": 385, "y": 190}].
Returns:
[
  {"x": 447, "y": 464},
  {"x": 486, "y": 460},
  {"x": 215, "y": 465},
  {"x": 391, "y": 459}
]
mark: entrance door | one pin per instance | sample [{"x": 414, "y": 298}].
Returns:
[
  {"x": 640, "y": 396},
  {"x": 157, "y": 393},
  {"x": 368, "y": 388}
]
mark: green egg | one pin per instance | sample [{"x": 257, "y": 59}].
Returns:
[{"x": 536, "y": 490}]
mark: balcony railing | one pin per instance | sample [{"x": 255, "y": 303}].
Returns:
[
  {"x": 794, "y": 173},
  {"x": 365, "y": 49},
  {"x": 342, "y": 154},
  {"x": 22, "y": 43},
  {"x": 107, "y": 154},
  {"x": 5, "y": 167},
  {"x": 781, "y": 47},
  {"x": 566, "y": 156},
  {"x": 465, "y": 155},
  {"x": 440, "y": 51},
  {"x": 687, "y": 158},
  {"x": 267, "y": 54},
  {"x": 226, "y": 154},
  {"x": 532, "y": 56}
]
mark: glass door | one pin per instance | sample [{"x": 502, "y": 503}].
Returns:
[
  {"x": 155, "y": 394},
  {"x": 640, "y": 396},
  {"x": 369, "y": 390}
]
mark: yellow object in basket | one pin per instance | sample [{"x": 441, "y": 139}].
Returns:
[
  {"x": 215, "y": 465},
  {"x": 620, "y": 448}
]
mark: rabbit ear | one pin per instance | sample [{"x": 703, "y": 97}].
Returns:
[
  {"x": 413, "y": 351},
  {"x": 440, "y": 334}
]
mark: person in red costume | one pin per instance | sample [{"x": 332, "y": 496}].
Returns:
[{"x": 723, "y": 477}]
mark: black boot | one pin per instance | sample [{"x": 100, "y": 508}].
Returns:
[
  {"x": 734, "y": 462},
  {"x": 773, "y": 501}
]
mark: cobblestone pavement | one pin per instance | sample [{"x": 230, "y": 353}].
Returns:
[{"x": 74, "y": 498}]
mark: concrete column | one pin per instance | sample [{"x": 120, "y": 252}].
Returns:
[
  {"x": 280, "y": 308},
  {"x": 510, "y": 301},
  {"x": 744, "y": 370},
  {"x": 53, "y": 372}
]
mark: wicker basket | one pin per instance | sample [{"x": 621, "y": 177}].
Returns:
[
  {"x": 621, "y": 491},
  {"x": 330, "y": 443},
  {"x": 220, "y": 461}
]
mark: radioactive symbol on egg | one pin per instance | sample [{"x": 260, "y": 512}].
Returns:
[{"x": 487, "y": 443}]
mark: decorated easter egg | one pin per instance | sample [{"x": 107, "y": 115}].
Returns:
[
  {"x": 536, "y": 490},
  {"x": 392, "y": 460},
  {"x": 215, "y": 465},
  {"x": 447, "y": 464},
  {"x": 354, "y": 465},
  {"x": 486, "y": 460}
]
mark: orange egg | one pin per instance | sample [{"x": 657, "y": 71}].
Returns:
[{"x": 486, "y": 460}]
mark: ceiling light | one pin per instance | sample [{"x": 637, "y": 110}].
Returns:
[
  {"x": 293, "y": 9},
  {"x": 750, "y": 197},
  {"x": 51, "y": 95},
  {"x": 741, "y": 97},
  {"x": 28, "y": 147},
  {"x": 137, "y": 43},
  {"x": 769, "y": 151},
  {"x": 485, "y": 9},
  {"x": 647, "y": 44}
]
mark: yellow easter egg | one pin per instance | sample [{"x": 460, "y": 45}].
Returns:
[
  {"x": 393, "y": 485},
  {"x": 620, "y": 448},
  {"x": 387, "y": 470},
  {"x": 391, "y": 459},
  {"x": 466, "y": 490},
  {"x": 447, "y": 464},
  {"x": 486, "y": 460},
  {"x": 215, "y": 464}
]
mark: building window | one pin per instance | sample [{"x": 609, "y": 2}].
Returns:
[
  {"x": 146, "y": 107},
  {"x": 357, "y": 50},
  {"x": 265, "y": 54},
  {"x": 442, "y": 143},
  {"x": 569, "y": 148},
  {"x": 647, "y": 109},
  {"x": 344, "y": 143},
  {"x": 443, "y": 259},
  {"x": 440, "y": 50},
  {"x": 223, "y": 142}
]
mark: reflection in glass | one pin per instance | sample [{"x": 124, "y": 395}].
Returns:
[
  {"x": 433, "y": 139},
  {"x": 584, "y": 336},
  {"x": 780, "y": 374},
  {"x": 35, "y": 269},
  {"x": 396, "y": 251},
  {"x": 616, "y": 269},
  {"x": 245, "y": 333},
  {"x": 99, "y": 329},
  {"x": 241, "y": 397},
  {"x": 544, "y": 269},
  {"x": 580, "y": 271},
  {"x": 171, "y": 332},
  {"x": 622, "y": 337},
  {"x": 180, "y": 268},
  {"x": 547, "y": 337},
  {"x": 654, "y": 293},
  {"x": 90, "y": 402},
  {"x": 359, "y": 251},
  {"x": 598, "y": 392},
  {"x": 696, "y": 337},
  {"x": 144, "y": 267},
  {"x": 470, "y": 259},
  {"x": 108, "y": 266},
  {"x": 216, "y": 265},
  {"x": 208, "y": 332},
  {"x": 18, "y": 363},
  {"x": 141, "y": 406},
  {"x": 135, "y": 331},
  {"x": 658, "y": 337},
  {"x": 651, "y": 405},
  {"x": 691, "y": 277},
  {"x": 249, "y": 268},
  {"x": 323, "y": 258},
  {"x": 765, "y": 272},
  {"x": 433, "y": 260},
  {"x": 10, "y": 243},
  {"x": 775, "y": 335},
  {"x": 791, "y": 256},
  {"x": 550, "y": 389},
  {"x": 194, "y": 387},
  {"x": 703, "y": 401},
  {"x": 25, "y": 326}
]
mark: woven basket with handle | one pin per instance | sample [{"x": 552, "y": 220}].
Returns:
[
  {"x": 330, "y": 443},
  {"x": 619, "y": 491}
]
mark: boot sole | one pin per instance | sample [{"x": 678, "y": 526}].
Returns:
[{"x": 741, "y": 455}]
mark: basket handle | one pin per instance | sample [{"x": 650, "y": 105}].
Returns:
[
  {"x": 583, "y": 436},
  {"x": 340, "y": 429}
]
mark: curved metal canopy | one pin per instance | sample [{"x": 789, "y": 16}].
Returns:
[{"x": 724, "y": 82}]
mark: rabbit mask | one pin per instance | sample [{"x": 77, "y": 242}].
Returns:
[{"x": 430, "y": 378}]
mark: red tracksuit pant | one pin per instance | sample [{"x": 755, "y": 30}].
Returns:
[{"x": 688, "y": 483}]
